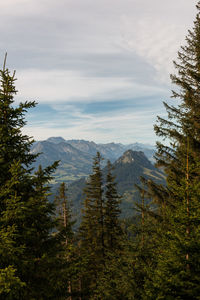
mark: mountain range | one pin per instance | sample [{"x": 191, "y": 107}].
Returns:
[
  {"x": 130, "y": 162},
  {"x": 127, "y": 170},
  {"x": 76, "y": 156}
]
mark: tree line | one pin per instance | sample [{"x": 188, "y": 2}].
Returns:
[{"x": 155, "y": 255}]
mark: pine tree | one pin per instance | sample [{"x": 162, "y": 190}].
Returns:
[
  {"x": 13, "y": 145},
  {"x": 92, "y": 228},
  {"x": 114, "y": 279},
  {"x": 113, "y": 230},
  {"x": 14, "y": 151},
  {"x": 11, "y": 252},
  {"x": 143, "y": 245},
  {"x": 64, "y": 211},
  {"x": 102, "y": 238},
  {"x": 70, "y": 249},
  {"x": 30, "y": 252},
  {"x": 177, "y": 272}
]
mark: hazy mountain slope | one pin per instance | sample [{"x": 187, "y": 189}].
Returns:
[
  {"x": 148, "y": 150},
  {"x": 111, "y": 151},
  {"x": 73, "y": 165},
  {"x": 130, "y": 166},
  {"x": 127, "y": 169},
  {"x": 76, "y": 155},
  {"x": 56, "y": 140}
]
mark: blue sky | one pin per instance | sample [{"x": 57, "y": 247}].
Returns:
[{"x": 99, "y": 70}]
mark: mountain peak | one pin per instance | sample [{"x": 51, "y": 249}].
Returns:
[
  {"x": 56, "y": 140},
  {"x": 131, "y": 156},
  {"x": 127, "y": 157}
]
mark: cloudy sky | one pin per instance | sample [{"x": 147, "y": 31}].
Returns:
[{"x": 99, "y": 69}]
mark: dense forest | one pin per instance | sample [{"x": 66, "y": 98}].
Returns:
[{"x": 155, "y": 255}]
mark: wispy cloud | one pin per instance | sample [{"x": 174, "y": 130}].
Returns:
[
  {"x": 122, "y": 125},
  {"x": 69, "y": 86}
]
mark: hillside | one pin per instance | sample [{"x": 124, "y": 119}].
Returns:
[
  {"x": 74, "y": 164},
  {"x": 127, "y": 170}
]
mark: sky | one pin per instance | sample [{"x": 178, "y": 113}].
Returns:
[{"x": 98, "y": 69}]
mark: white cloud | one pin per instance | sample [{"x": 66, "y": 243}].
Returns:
[
  {"x": 125, "y": 126},
  {"x": 69, "y": 86},
  {"x": 156, "y": 40}
]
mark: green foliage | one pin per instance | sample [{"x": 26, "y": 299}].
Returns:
[
  {"x": 115, "y": 281},
  {"x": 64, "y": 211},
  {"x": 92, "y": 226},
  {"x": 30, "y": 254},
  {"x": 127, "y": 171},
  {"x": 10, "y": 284},
  {"x": 92, "y": 231},
  {"x": 101, "y": 234},
  {"x": 70, "y": 253},
  {"x": 175, "y": 210},
  {"x": 113, "y": 230}
]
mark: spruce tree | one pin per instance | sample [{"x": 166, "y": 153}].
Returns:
[
  {"x": 92, "y": 228},
  {"x": 30, "y": 252},
  {"x": 114, "y": 279},
  {"x": 64, "y": 212},
  {"x": 14, "y": 153},
  {"x": 176, "y": 273},
  {"x": 102, "y": 238},
  {"x": 70, "y": 250},
  {"x": 113, "y": 230}
]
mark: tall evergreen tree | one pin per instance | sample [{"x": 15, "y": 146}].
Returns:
[
  {"x": 70, "y": 249},
  {"x": 176, "y": 272},
  {"x": 14, "y": 151},
  {"x": 92, "y": 228},
  {"x": 113, "y": 230},
  {"x": 102, "y": 237},
  {"x": 114, "y": 279},
  {"x": 64, "y": 211},
  {"x": 29, "y": 259}
]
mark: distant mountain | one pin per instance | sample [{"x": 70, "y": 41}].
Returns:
[
  {"x": 148, "y": 150},
  {"x": 76, "y": 156},
  {"x": 74, "y": 164},
  {"x": 84, "y": 146},
  {"x": 127, "y": 169},
  {"x": 130, "y": 166},
  {"x": 111, "y": 151},
  {"x": 56, "y": 140}
]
